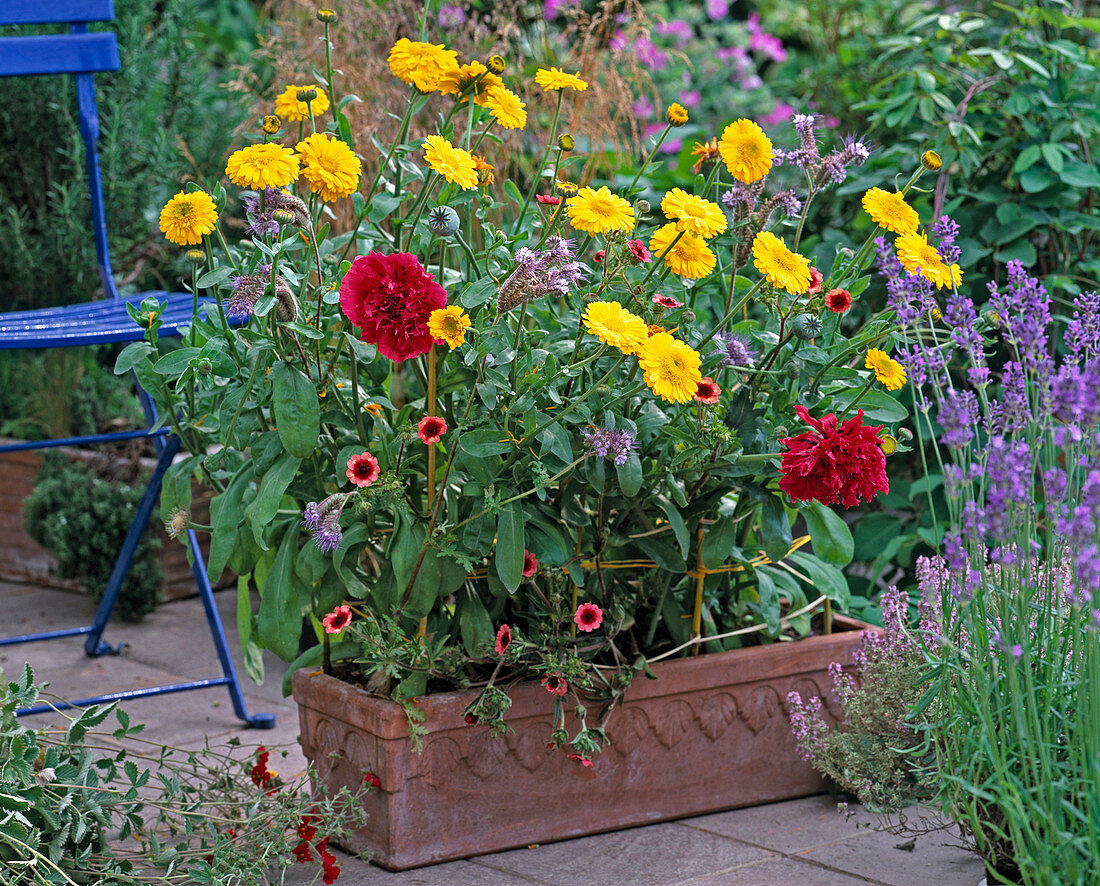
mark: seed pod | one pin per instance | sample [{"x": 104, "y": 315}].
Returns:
[
  {"x": 286, "y": 305},
  {"x": 443, "y": 221},
  {"x": 805, "y": 327}
]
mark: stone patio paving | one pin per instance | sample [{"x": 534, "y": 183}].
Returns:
[{"x": 798, "y": 843}]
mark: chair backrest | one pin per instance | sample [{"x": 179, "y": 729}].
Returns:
[{"x": 80, "y": 54}]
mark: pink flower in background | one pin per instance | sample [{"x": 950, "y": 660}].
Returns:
[
  {"x": 337, "y": 620},
  {"x": 649, "y": 55},
  {"x": 504, "y": 640},
  {"x": 689, "y": 98},
  {"x": 617, "y": 43},
  {"x": 765, "y": 43},
  {"x": 530, "y": 564},
  {"x": 677, "y": 28},
  {"x": 588, "y": 617},
  {"x": 551, "y": 8},
  {"x": 643, "y": 108},
  {"x": 780, "y": 113},
  {"x": 717, "y": 9}
]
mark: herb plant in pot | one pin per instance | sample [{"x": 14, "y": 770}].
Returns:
[{"x": 515, "y": 452}]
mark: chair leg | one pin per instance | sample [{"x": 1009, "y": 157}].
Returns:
[
  {"x": 217, "y": 633},
  {"x": 94, "y": 645}
]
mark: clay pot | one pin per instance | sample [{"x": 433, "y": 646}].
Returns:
[{"x": 711, "y": 733}]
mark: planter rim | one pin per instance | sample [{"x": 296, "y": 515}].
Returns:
[{"x": 386, "y": 718}]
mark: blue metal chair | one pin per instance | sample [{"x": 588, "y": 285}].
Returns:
[{"x": 81, "y": 53}]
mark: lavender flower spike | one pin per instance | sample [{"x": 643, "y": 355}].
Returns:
[{"x": 323, "y": 520}]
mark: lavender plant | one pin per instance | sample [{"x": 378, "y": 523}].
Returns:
[{"x": 1014, "y": 655}]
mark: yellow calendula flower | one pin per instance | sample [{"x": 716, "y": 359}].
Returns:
[
  {"x": 555, "y": 79},
  {"x": 289, "y": 108},
  {"x": 887, "y": 370},
  {"x": 689, "y": 256},
  {"x": 612, "y": 324},
  {"x": 783, "y": 268},
  {"x": 670, "y": 368},
  {"x": 707, "y": 152},
  {"x": 329, "y": 166},
  {"x": 470, "y": 79},
  {"x": 449, "y": 325},
  {"x": 485, "y": 171},
  {"x": 454, "y": 164},
  {"x": 506, "y": 108},
  {"x": 890, "y": 211},
  {"x": 676, "y": 115},
  {"x": 421, "y": 64},
  {"x": 187, "y": 218},
  {"x": 600, "y": 211},
  {"x": 916, "y": 254},
  {"x": 263, "y": 166},
  {"x": 746, "y": 150},
  {"x": 695, "y": 215}
]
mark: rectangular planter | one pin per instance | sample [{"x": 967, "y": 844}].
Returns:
[{"x": 709, "y": 734}]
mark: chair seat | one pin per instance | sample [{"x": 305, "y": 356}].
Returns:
[{"x": 90, "y": 323}]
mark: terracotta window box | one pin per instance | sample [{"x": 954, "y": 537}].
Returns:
[{"x": 711, "y": 733}]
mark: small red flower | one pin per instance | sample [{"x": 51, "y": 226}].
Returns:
[
  {"x": 306, "y": 828},
  {"x": 530, "y": 564},
  {"x": 816, "y": 279},
  {"x": 599, "y": 256},
  {"x": 708, "y": 391},
  {"x": 331, "y": 870},
  {"x": 363, "y": 469},
  {"x": 431, "y": 429},
  {"x": 667, "y": 301},
  {"x": 555, "y": 683},
  {"x": 639, "y": 253},
  {"x": 548, "y": 199},
  {"x": 584, "y": 761},
  {"x": 302, "y": 853},
  {"x": 389, "y": 297},
  {"x": 260, "y": 774},
  {"x": 838, "y": 300},
  {"x": 833, "y": 464},
  {"x": 588, "y": 617},
  {"x": 337, "y": 620},
  {"x": 504, "y": 639},
  {"x": 471, "y": 720},
  {"x": 369, "y": 778}
]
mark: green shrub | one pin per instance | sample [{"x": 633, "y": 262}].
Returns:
[
  {"x": 164, "y": 98},
  {"x": 82, "y": 520}
]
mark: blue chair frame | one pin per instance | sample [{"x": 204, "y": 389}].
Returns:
[{"x": 81, "y": 54}]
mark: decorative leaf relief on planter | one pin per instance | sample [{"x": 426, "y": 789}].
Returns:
[
  {"x": 322, "y": 733},
  {"x": 486, "y": 754},
  {"x": 807, "y": 688},
  {"x": 528, "y": 743},
  {"x": 360, "y": 751},
  {"x": 439, "y": 760},
  {"x": 627, "y": 729},
  {"x": 672, "y": 721},
  {"x": 763, "y": 704},
  {"x": 716, "y": 713}
]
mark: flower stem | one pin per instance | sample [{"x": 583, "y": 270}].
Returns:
[{"x": 538, "y": 172}]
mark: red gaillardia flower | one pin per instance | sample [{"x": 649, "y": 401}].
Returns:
[
  {"x": 816, "y": 279},
  {"x": 833, "y": 464},
  {"x": 667, "y": 301},
  {"x": 599, "y": 256},
  {"x": 548, "y": 199},
  {"x": 555, "y": 683},
  {"x": 430, "y": 429},
  {"x": 588, "y": 617},
  {"x": 584, "y": 761},
  {"x": 363, "y": 469},
  {"x": 389, "y": 297},
  {"x": 337, "y": 620},
  {"x": 530, "y": 564},
  {"x": 708, "y": 391},
  {"x": 638, "y": 250},
  {"x": 838, "y": 300},
  {"x": 504, "y": 639}
]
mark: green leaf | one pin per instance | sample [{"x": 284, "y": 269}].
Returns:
[
  {"x": 263, "y": 508},
  {"x": 1079, "y": 175},
  {"x": 879, "y": 406},
  {"x": 279, "y": 621},
  {"x": 474, "y": 623},
  {"x": 485, "y": 441},
  {"x": 133, "y": 354},
  {"x": 826, "y": 578},
  {"x": 629, "y": 474},
  {"x": 831, "y": 537},
  {"x": 1052, "y": 153},
  {"x": 253, "y": 655},
  {"x": 676, "y": 521},
  {"x": 210, "y": 278},
  {"x": 175, "y": 362},
  {"x": 775, "y": 528},
  {"x": 226, "y": 514},
  {"x": 297, "y": 410},
  {"x": 509, "y": 546}
]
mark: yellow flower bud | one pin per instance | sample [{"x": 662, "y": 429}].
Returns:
[
  {"x": 931, "y": 161},
  {"x": 272, "y": 124},
  {"x": 495, "y": 64},
  {"x": 328, "y": 16},
  {"x": 676, "y": 115},
  {"x": 565, "y": 141}
]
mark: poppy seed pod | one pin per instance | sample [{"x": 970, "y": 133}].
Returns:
[
  {"x": 805, "y": 327},
  {"x": 443, "y": 221}
]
